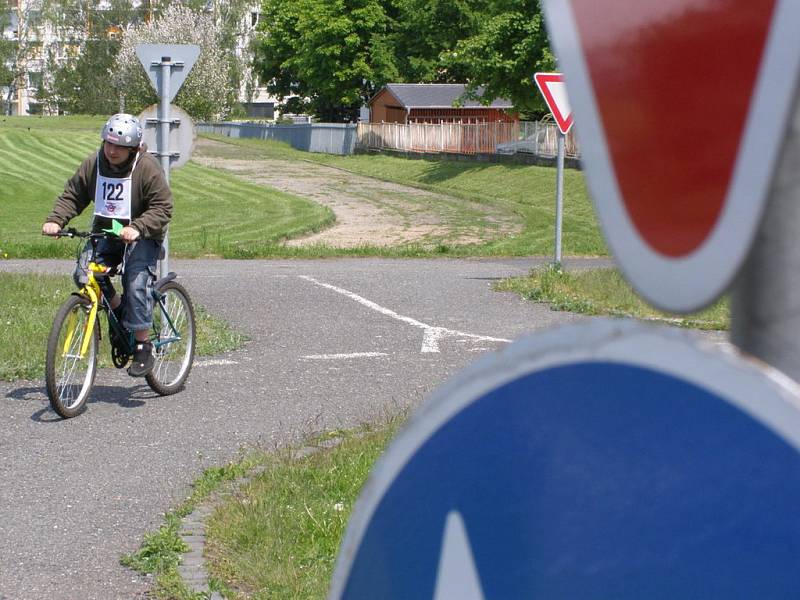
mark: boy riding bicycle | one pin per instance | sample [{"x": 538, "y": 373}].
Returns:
[{"x": 126, "y": 184}]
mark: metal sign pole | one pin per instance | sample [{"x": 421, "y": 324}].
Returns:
[
  {"x": 559, "y": 196},
  {"x": 163, "y": 141},
  {"x": 166, "y": 77},
  {"x": 765, "y": 298}
]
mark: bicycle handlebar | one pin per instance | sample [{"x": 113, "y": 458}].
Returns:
[{"x": 73, "y": 233}]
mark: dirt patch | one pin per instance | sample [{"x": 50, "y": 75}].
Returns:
[{"x": 368, "y": 211}]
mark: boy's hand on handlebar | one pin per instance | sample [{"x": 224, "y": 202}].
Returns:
[
  {"x": 50, "y": 228},
  {"x": 129, "y": 234}
]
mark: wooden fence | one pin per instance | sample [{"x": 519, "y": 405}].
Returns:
[
  {"x": 540, "y": 137},
  {"x": 459, "y": 138}
]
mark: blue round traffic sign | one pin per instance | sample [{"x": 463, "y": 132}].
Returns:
[{"x": 610, "y": 460}]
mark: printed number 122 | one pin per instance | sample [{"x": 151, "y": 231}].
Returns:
[{"x": 112, "y": 191}]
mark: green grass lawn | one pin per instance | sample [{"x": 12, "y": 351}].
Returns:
[
  {"x": 605, "y": 292},
  {"x": 215, "y": 213},
  {"x": 218, "y": 214}
]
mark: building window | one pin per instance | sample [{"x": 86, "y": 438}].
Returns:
[
  {"x": 254, "y": 18},
  {"x": 35, "y": 80}
]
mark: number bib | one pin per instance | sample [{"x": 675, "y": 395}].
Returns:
[{"x": 112, "y": 195}]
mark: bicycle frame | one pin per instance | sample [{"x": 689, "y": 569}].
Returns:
[{"x": 92, "y": 292}]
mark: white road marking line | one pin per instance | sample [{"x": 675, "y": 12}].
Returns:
[
  {"x": 213, "y": 362},
  {"x": 340, "y": 356},
  {"x": 431, "y": 337},
  {"x": 431, "y": 334}
]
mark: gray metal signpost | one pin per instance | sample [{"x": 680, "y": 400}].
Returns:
[
  {"x": 559, "y": 195},
  {"x": 765, "y": 298},
  {"x": 552, "y": 87},
  {"x": 167, "y": 66}
]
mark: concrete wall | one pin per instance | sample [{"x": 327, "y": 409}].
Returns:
[{"x": 331, "y": 138}]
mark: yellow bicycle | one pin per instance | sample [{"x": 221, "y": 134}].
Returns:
[{"x": 72, "y": 347}]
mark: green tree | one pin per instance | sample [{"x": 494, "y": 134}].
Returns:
[
  {"x": 210, "y": 89},
  {"x": 511, "y": 44},
  {"x": 79, "y": 68},
  {"x": 335, "y": 54},
  {"x": 426, "y": 30},
  {"x": 84, "y": 84},
  {"x": 229, "y": 17}
]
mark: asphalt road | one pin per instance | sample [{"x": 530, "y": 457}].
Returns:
[{"x": 333, "y": 343}]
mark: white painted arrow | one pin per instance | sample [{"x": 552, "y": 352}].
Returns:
[
  {"x": 457, "y": 576},
  {"x": 431, "y": 334}
]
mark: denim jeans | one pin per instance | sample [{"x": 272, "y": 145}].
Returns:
[{"x": 140, "y": 260}]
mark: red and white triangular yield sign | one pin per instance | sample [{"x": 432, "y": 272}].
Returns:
[
  {"x": 683, "y": 107},
  {"x": 554, "y": 91}
]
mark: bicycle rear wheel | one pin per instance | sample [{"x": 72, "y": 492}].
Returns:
[
  {"x": 173, "y": 339},
  {"x": 69, "y": 373}
]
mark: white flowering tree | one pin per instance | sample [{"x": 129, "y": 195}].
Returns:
[{"x": 209, "y": 91}]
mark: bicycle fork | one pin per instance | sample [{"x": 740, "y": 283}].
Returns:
[{"x": 88, "y": 328}]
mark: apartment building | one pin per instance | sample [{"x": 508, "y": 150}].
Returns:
[
  {"x": 27, "y": 34},
  {"x": 34, "y": 38}
]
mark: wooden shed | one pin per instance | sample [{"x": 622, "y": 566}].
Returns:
[{"x": 433, "y": 103}]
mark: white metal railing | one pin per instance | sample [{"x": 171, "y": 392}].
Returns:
[{"x": 541, "y": 137}]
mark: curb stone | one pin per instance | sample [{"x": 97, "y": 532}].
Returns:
[{"x": 192, "y": 569}]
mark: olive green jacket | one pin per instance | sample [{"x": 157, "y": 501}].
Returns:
[{"x": 151, "y": 198}]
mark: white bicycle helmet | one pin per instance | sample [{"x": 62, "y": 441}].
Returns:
[{"x": 123, "y": 130}]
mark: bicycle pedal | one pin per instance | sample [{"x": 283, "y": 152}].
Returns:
[{"x": 119, "y": 357}]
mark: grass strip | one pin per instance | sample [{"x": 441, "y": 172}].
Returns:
[
  {"x": 605, "y": 292},
  {"x": 279, "y": 535},
  {"x": 161, "y": 551},
  {"x": 28, "y": 303},
  {"x": 276, "y": 533}
]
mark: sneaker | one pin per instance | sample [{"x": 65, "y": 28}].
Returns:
[{"x": 142, "y": 360}]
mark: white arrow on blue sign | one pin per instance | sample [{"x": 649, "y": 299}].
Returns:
[{"x": 605, "y": 460}]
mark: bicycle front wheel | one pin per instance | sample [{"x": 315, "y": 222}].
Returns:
[
  {"x": 71, "y": 363},
  {"x": 173, "y": 339}
]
